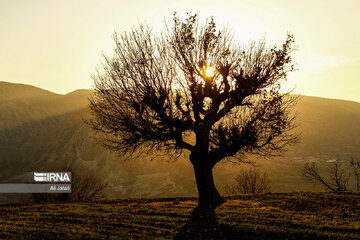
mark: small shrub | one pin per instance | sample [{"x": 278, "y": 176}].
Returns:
[
  {"x": 249, "y": 181},
  {"x": 84, "y": 187}
]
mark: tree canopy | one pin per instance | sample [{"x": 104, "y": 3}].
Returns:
[{"x": 158, "y": 91}]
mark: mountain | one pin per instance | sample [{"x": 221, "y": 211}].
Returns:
[
  {"x": 40, "y": 130},
  {"x": 27, "y": 111}
]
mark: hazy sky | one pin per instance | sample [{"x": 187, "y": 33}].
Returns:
[{"x": 57, "y": 44}]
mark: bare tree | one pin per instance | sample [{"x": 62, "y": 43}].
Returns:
[
  {"x": 88, "y": 186},
  {"x": 338, "y": 176},
  {"x": 355, "y": 164},
  {"x": 335, "y": 179},
  {"x": 249, "y": 181},
  {"x": 157, "y": 92}
]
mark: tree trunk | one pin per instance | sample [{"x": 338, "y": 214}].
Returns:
[{"x": 208, "y": 194}]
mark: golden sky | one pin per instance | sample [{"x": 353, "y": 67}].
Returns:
[{"x": 57, "y": 44}]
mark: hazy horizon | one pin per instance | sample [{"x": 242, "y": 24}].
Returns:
[
  {"x": 57, "y": 45},
  {"x": 89, "y": 89}
]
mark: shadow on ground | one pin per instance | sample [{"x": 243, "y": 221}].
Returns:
[{"x": 203, "y": 224}]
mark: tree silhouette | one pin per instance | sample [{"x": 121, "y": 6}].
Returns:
[{"x": 158, "y": 92}]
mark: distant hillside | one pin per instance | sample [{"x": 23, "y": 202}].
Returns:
[
  {"x": 27, "y": 111},
  {"x": 270, "y": 216},
  {"x": 329, "y": 126},
  {"x": 17, "y": 91},
  {"x": 40, "y": 129}
]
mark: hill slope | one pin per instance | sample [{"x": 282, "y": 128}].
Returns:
[
  {"x": 40, "y": 130},
  {"x": 271, "y": 216}
]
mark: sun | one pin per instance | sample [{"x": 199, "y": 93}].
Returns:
[{"x": 209, "y": 71}]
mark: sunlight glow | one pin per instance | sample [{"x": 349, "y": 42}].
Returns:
[{"x": 209, "y": 71}]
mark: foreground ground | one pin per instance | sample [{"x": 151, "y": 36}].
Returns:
[{"x": 268, "y": 216}]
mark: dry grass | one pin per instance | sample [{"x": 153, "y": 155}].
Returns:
[{"x": 268, "y": 216}]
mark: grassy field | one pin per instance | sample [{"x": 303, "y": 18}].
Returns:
[{"x": 268, "y": 216}]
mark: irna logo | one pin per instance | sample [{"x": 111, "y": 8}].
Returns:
[{"x": 52, "y": 177}]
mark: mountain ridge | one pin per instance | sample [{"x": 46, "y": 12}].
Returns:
[
  {"x": 38, "y": 133},
  {"x": 91, "y": 90}
]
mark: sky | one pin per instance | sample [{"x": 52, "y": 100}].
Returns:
[{"x": 57, "y": 44}]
